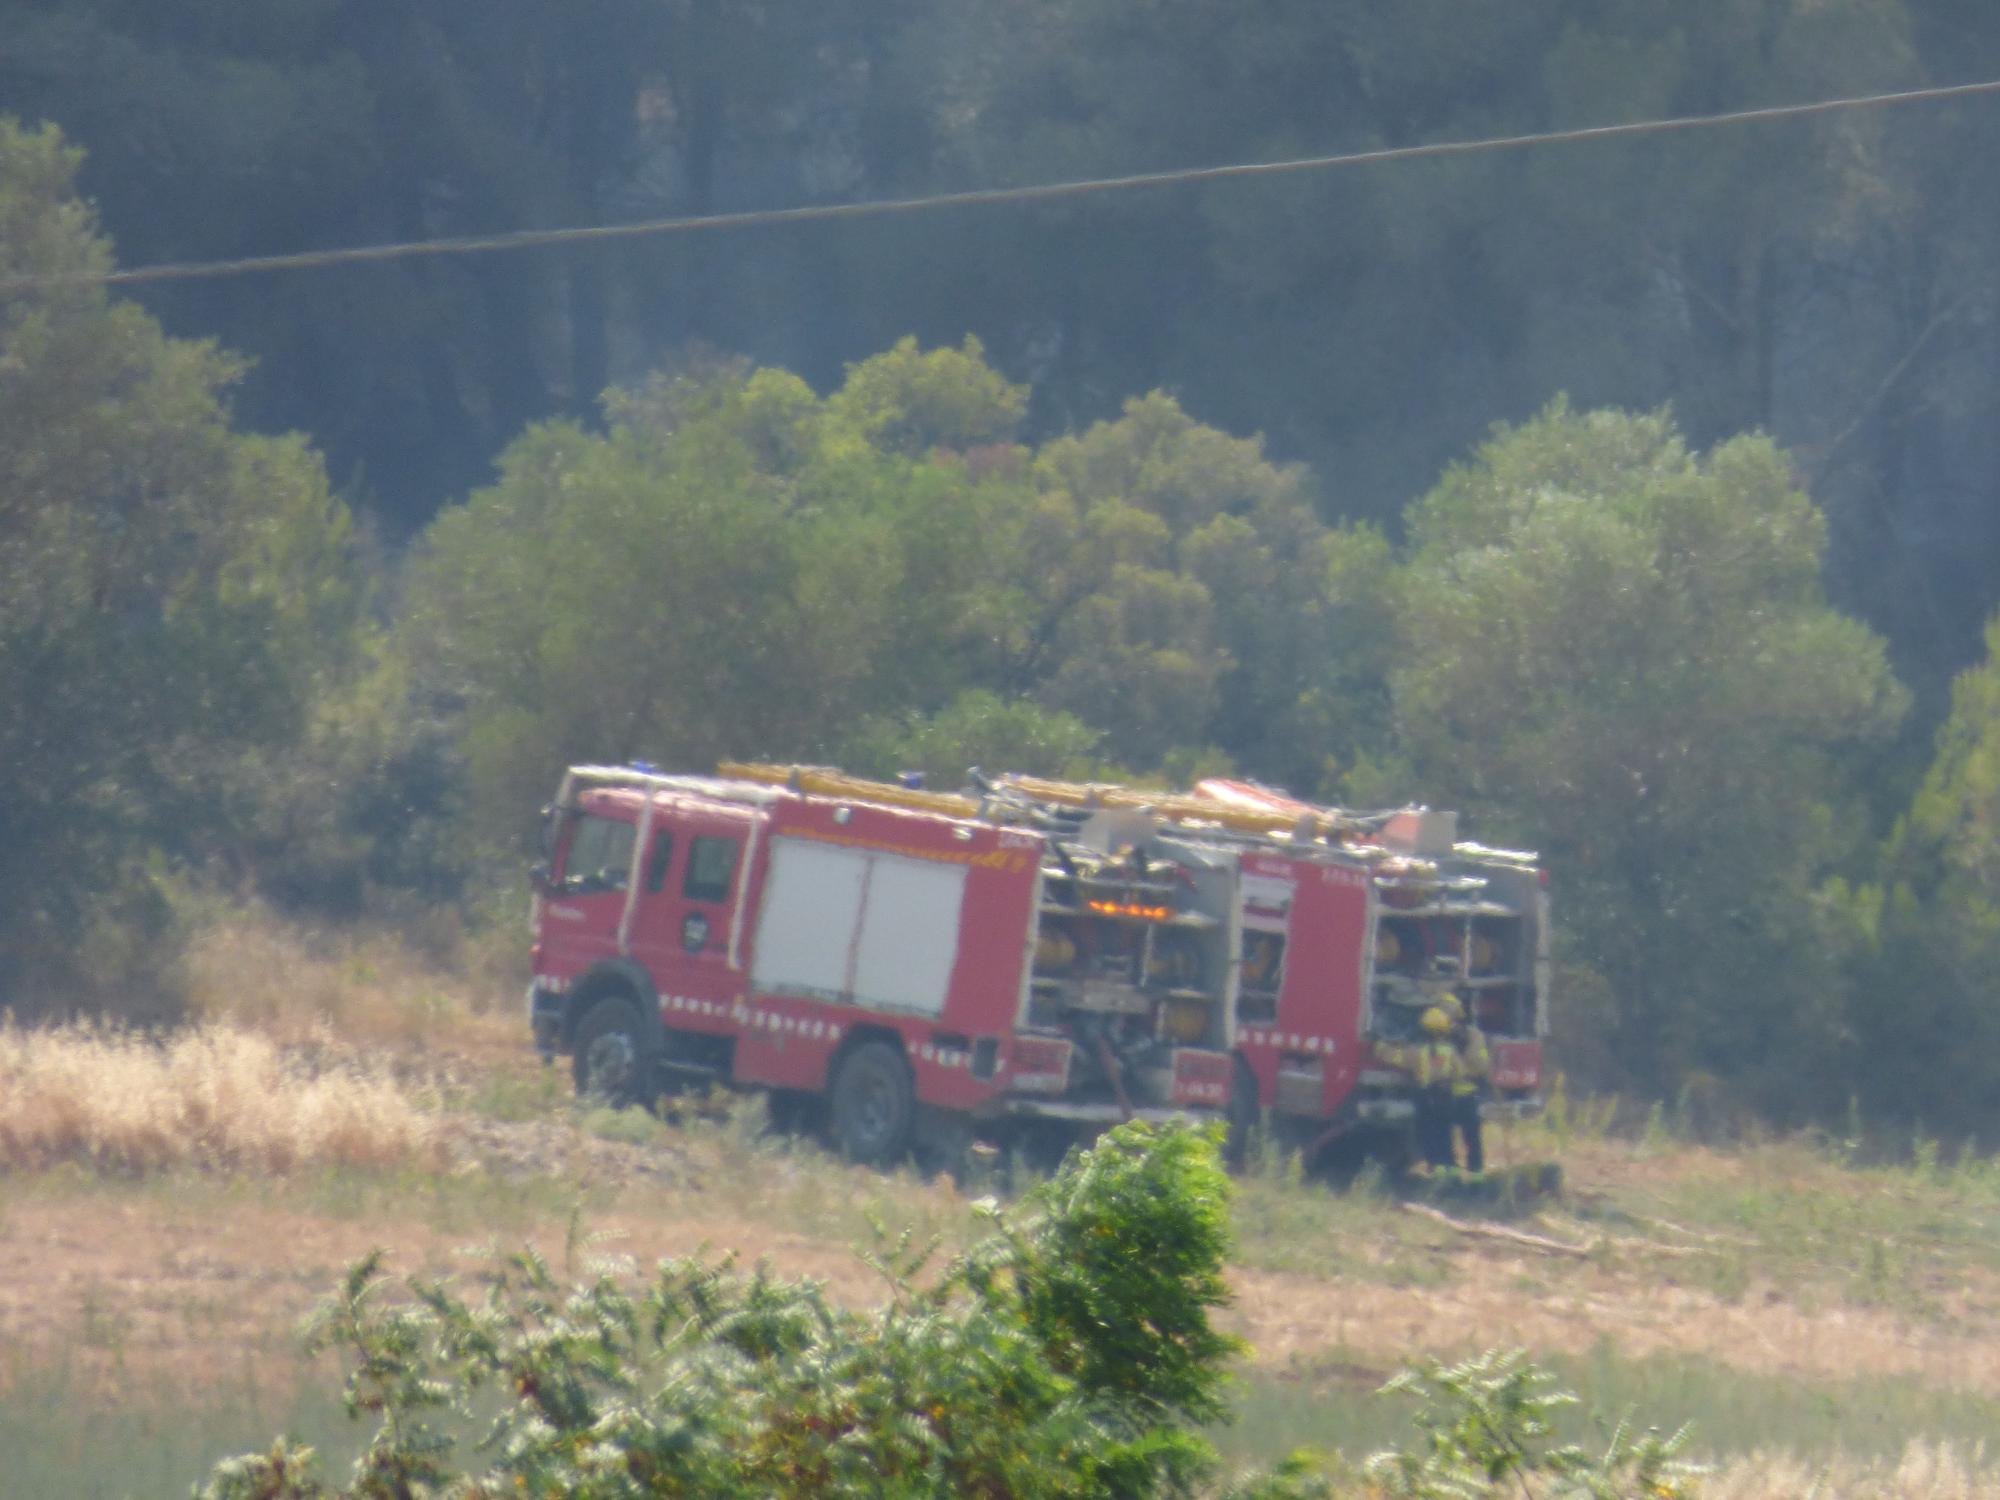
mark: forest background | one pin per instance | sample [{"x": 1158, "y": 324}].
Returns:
[{"x": 1636, "y": 498}]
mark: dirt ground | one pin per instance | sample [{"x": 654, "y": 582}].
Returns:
[{"x": 122, "y": 1283}]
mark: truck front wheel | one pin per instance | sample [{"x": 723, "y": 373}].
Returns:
[
  {"x": 607, "y": 1059},
  {"x": 874, "y": 1104}
]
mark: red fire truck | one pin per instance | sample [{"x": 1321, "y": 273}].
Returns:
[{"x": 926, "y": 965}]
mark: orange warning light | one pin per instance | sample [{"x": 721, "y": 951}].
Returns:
[{"x": 1130, "y": 909}]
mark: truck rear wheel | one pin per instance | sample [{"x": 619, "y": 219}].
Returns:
[
  {"x": 607, "y": 1059},
  {"x": 874, "y": 1104}
]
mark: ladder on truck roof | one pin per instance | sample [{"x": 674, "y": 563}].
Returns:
[
  {"x": 640, "y": 778},
  {"x": 1030, "y": 794},
  {"x": 1189, "y": 812},
  {"x": 827, "y": 781},
  {"x": 1246, "y": 808},
  {"x": 1242, "y": 810},
  {"x": 1300, "y": 821}
]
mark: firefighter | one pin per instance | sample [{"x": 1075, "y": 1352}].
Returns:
[
  {"x": 1432, "y": 1063},
  {"x": 1473, "y": 1064}
]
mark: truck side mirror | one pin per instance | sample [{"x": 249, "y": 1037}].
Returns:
[{"x": 538, "y": 878}]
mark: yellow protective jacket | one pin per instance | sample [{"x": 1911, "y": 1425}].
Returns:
[
  {"x": 1429, "y": 1062},
  {"x": 1474, "y": 1062}
]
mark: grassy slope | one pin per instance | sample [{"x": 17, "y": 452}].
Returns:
[{"x": 1781, "y": 1297}]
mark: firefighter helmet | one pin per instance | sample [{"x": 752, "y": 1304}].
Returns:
[
  {"x": 1435, "y": 1021},
  {"x": 1452, "y": 1006}
]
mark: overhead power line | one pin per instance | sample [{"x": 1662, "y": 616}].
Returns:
[{"x": 527, "y": 239}]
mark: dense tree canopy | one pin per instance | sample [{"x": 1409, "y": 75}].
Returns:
[
  {"x": 739, "y": 565},
  {"x": 172, "y": 593},
  {"x": 1621, "y": 649},
  {"x": 1924, "y": 937},
  {"x": 1827, "y": 281}
]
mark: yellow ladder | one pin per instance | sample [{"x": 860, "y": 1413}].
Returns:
[
  {"x": 827, "y": 781},
  {"x": 1176, "y": 807}
]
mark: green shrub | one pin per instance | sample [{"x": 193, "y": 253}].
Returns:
[
  {"x": 1488, "y": 1424},
  {"x": 1070, "y": 1355}
]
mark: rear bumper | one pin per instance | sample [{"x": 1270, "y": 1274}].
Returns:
[{"x": 1382, "y": 1097}]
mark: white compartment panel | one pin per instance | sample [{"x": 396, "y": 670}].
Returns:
[
  {"x": 806, "y": 927},
  {"x": 909, "y": 934}
]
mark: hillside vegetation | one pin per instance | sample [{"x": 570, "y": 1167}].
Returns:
[{"x": 1593, "y": 637}]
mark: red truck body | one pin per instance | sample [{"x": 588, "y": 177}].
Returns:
[{"x": 958, "y": 962}]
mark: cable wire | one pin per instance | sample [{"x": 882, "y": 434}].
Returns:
[{"x": 525, "y": 239}]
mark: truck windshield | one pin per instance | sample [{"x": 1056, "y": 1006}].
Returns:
[{"x": 600, "y": 855}]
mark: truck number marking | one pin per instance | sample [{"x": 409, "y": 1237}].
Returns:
[{"x": 1292, "y": 1042}]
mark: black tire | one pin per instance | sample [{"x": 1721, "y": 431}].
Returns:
[
  {"x": 608, "y": 1057},
  {"x": 874, "y": 1104}
]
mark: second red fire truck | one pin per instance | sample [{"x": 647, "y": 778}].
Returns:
[{"x": 926, "y": 966}]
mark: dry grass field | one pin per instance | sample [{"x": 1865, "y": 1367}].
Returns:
[{"x": 170, "y": 1207}]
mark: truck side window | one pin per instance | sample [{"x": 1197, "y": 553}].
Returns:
[
  {"x": 656, "y": 867},
  {"x": 710, "y": 864},
  {"x": 600, "y": 856}
]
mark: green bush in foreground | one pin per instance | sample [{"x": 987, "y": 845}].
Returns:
[{"x": 1069, "y": 1355}]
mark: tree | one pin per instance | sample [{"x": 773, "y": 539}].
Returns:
[
  {"x": 740, "y": 567},
  {"x": 908, "y": 402},
  {"x": 171, "y": 592},
  {"x": 1186, "y": 594},
  {"x": 1621, "y": 649},
  {"x": 977, "y": 728},
  {"x": 735, "y": 567},
  {"x": 1925, "y": 934}
]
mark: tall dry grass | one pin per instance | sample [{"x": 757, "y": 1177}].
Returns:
[
  {"x": 368, "y": 989},
  {"x": 211, "y": 1096},
  {"x": 1926, "y": 1471}
]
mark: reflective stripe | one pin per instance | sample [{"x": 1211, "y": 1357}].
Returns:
[
  {"x": 1472, "y": 1063},
  {"x": 1428, "y": 1063}
]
